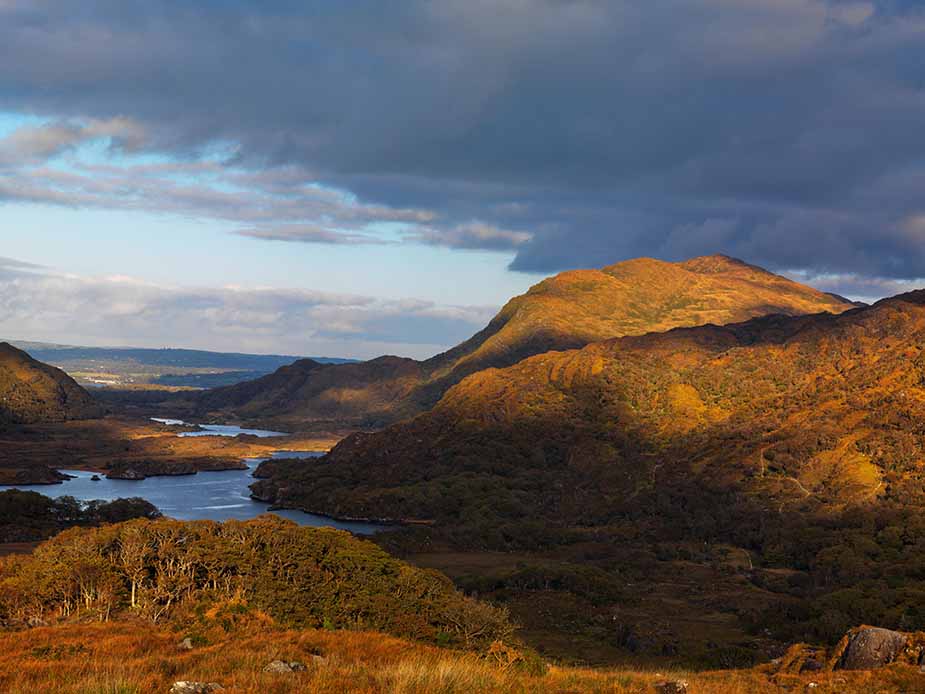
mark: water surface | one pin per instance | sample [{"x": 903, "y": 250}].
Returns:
[
  {"x": 216, "y": 496},
  {"x": 218, "y": 429}
]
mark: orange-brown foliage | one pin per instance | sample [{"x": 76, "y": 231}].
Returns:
[{"x": 136, "y": 658}]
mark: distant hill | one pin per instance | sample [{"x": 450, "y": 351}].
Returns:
[
  {"x": 567, "y": 311},
  {"x": 33, "y": 392},
  {"x": 131, "y": 366}
]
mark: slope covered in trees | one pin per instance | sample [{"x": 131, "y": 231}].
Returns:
[
  {"x": 566, "y": 311},
  {"x": 33, "y": 392},
  {"x": 300, "y": 576},
  {"x": 797, "y": 440}
]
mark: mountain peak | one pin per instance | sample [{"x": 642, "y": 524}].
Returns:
[
  {"x": 719, "y": 262},
  {"x": 563, "y": 312}
]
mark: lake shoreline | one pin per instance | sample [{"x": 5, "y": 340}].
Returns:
[{"x": 173, "y": 484}]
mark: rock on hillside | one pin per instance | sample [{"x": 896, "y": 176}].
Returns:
[
  {"x": 32, "y": 392},
  {"x": 567, "y": 311}
]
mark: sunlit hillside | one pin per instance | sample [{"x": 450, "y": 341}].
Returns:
[{"x": 566, "y": 311}]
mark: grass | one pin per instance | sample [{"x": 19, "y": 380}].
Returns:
[{"x": 132, "y": 657}]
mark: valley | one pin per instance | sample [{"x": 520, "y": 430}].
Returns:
[
  {"x": 629, "y": 486},
  {"x": 454, "y": 347}
]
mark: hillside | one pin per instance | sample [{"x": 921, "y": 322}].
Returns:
[
  {"x": 127, "y": 659},
  {"x": 32, "y": 392},
  {"x": 566, "y": 311},
  {"x": 792, "y": 443},
  {"x": 267, "y": 606},
  {"x": 164, "y": 570}
]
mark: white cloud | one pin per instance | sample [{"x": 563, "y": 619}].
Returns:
[
  {"x": 472, "y": 236},
  {"x": 37, "y": 304}
]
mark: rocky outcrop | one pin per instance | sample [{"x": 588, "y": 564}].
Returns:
[
  {"x": 282, "y": 667},
  {"x": 184, "y": 687},
  {"x": 862, "y": 648},
  {"x": 866, "y": 648}
]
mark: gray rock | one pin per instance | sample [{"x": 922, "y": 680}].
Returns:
[
  {"x": 282, "y": 666},
  {"x": 871, "y": 647},
  {"x": 195, "y": 688},
  {"x": 186, "y": 644},
  {"x": 672, "y": 687}
]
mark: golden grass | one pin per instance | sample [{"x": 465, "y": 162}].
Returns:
[{"x": 136, "y": 658}]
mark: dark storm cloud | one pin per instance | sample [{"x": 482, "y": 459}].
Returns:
[{"x": 784, "y": 131}]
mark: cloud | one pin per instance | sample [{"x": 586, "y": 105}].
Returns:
[
  {"x": 39, "y": 304},
  {"x": 302, "y": 233},
  {"x": 17, "y": 265},
  {"x": 787, "y": 131},
  {"x": 38, "y": 143},
  {"x": 474, "y": 236}
]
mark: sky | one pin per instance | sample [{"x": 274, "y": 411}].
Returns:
[{"x": 354, "y": 179}]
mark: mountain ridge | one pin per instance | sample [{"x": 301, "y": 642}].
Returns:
[
  {"x": 659, "y": 394},
  {"x": 565, "y": 311}
]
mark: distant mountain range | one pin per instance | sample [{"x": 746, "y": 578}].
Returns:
[
  {"x": 130, "y": 366},
  {"x": 567, "y": 311}
]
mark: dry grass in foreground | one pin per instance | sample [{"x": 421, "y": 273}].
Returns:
[{"x": 132, "y": 657}]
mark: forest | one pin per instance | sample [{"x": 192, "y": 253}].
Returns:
[
  {"x": 302, "y": 577},
  {"x": 27, "y": 516}
]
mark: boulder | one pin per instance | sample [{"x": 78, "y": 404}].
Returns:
[
  {"x": 186, "y": 644},
  {"x": 672, "y": 687},
  {"x": 195, "y": 688},
  {"x": 284, "y": 667},
  {"x": 866, "y": 648}
]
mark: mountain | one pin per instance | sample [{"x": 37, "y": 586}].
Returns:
[
  {"x": 33, "y": 392},
  {"x": 133, "y": 367},
  {"x": 811, "y": 411},
  {"x": 566, "y": 311},
  {"x": 795, "y": 444}
]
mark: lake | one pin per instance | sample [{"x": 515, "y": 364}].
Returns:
[
  {"x": 218, "y": 429},
  {"x": 204, "y": 496}
]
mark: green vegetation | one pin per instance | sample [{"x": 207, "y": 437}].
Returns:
[
  {"x": 27, "y": 516},
  {"x": 302, "y": 577}
]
